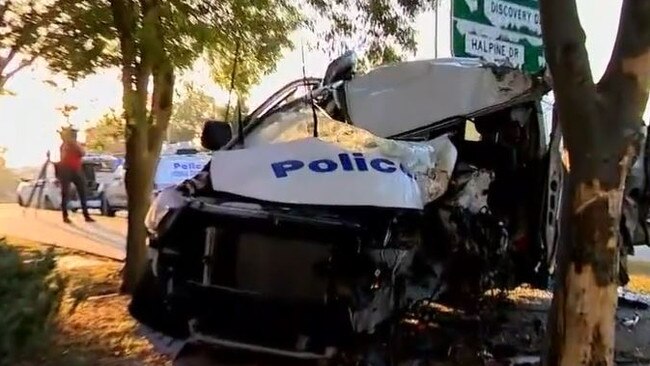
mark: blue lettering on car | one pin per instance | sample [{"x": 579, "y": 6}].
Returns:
[
  {"x": 188, "y": 166},
  {"x": 282, "y": 168},
  {"x": 323, "y": 166},
  {"x": 355, "y": 162}
]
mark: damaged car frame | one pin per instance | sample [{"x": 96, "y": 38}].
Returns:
[{"x": 331, "y": 213}]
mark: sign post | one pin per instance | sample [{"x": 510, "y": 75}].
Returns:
[{"x": 498, "y": 31}]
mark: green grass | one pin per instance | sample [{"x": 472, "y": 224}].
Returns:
[{"x": 88, "y": 328}]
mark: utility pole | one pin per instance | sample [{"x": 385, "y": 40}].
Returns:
[{"x": 435, "y": 25}]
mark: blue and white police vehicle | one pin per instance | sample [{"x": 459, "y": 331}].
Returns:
[
  {"x": 174, "y": 166},
  {"x": 337, "y": 212}
]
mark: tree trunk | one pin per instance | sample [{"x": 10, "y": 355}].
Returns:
[
  {"x": 145, "y": 126},
  {"x": 600, "y": 124},
  {"x": 139, "y": 185},
  {"x": 581, "y": 325}
]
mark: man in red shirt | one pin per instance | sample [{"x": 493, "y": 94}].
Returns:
[{"x": 69, "y": 171}]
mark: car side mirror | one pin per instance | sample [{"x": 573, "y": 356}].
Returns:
[{"x": 215, "y": 134}]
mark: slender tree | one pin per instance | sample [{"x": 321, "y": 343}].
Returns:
[
  {"x": 150, "y": 40},
  {"x": 601, "y": 124}
]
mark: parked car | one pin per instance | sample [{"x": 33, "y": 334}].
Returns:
[
  {"x": 338, "y": 211},
  {"x": 173, "y": 168},
  {"x": 51, "y": 196},
  {"x": 101, "y": 171}
]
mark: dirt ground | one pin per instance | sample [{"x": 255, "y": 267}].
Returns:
[{"x": 94, "y": 327}]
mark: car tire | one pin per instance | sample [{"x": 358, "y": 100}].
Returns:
[
  {"x": 106, "y": 208},
  {"x": 20, "y": 202},
  {"x": 148, "y": 306},
  {"x": 47, "y": 203}
]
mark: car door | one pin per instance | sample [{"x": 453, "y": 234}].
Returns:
[
  {"x": 554, "y": 194},
  {"x": 634, "y": 227},
  {"x": 25, "y": 188},
  {"x": 636, "y": 203},
  {"x": 116, "y": 191}
]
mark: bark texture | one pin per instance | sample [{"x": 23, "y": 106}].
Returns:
[
  {"x": 144, "y": 58},
  {"x": 600, "y": 124}
]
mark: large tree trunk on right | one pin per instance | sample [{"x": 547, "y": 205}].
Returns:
[
  {"x": 581, "y": 328},
  {"x": 600, "y": 125}
]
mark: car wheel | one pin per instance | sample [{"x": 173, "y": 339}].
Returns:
[
  {"x": 47, "y": 203},
  {"x": 148, "y": 306},
  {"x": 20, "y": 202},
  {"x": 106, "y": 209}
]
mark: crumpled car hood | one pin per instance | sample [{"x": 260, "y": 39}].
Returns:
[{"x": 344, "y": 166}]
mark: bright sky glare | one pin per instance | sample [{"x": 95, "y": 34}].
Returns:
[{"x": 29, "y": 120}]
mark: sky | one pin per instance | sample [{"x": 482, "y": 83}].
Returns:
[{"x": 30, "y": 119}]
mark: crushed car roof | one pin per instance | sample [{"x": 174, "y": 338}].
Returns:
[{"x": 397, "y": 98}]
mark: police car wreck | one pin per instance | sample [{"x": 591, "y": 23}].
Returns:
[{"x": 299, "y": 245}]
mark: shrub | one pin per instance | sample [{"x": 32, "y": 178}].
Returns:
[{"x": 30, "y": 296}]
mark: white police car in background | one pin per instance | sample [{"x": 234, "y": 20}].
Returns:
[{"x": 174, "y": 166}]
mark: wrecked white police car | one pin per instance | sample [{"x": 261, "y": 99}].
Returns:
[{"x": 329, "y": 214}]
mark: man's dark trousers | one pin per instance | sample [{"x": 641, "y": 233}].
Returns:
[{"x": 69, "y": 176}]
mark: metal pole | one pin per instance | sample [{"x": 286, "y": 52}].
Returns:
[
  {"x": 232, "y": 77},
  {"x": 435, "y": 25}
]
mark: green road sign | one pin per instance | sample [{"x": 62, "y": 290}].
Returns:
[{"x": 498, "y": 31}]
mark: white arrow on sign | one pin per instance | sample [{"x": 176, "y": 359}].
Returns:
[{"x": 472, "y": 5}]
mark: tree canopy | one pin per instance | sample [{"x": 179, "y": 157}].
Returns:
[
  {"x": 383, "y": 29},
  {"x": 84, "y": 37},
  {"x": 107, "y": 133},
  {"x": 24, "y": 26},
  {"x": 87, "y": 37},
  {"x": 190, "y": 111}
]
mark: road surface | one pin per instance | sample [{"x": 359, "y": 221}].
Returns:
[{"x": 105, "y": 237}]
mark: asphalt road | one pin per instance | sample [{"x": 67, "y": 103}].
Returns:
[{"x": 106, "y": 237}]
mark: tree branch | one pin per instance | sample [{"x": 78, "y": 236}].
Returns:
[
  {"x": 4, "y": 61},
  {"x": 566, "y": 54},
  {"x": 22, "y": 65},
  {"x": 573, "y": 85},
  {"x": 124, "y": 19},
  {"x": 134, "y": 78},
  {"x": 627, "y": 78},
  {"x": 4, "y": 77},
  {"x": 154, "y": 52},
  {"x": 162, "y": 103}
]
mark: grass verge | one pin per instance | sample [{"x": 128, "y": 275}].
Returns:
[{"x": 92, "y": 325}]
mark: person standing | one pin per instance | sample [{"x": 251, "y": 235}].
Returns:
[{"x": 69, "y": 172}]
